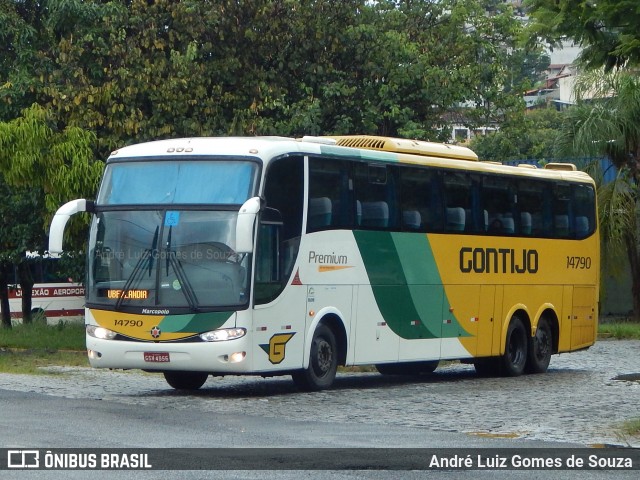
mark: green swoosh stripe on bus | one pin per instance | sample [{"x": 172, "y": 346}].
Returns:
[{"x": 406, "y": 284}]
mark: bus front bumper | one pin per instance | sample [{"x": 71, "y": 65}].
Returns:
[{"x": 224, "y": 357}]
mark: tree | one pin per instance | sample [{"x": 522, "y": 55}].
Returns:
[
  {"x": 530, "y": 134},
  {"x": 20, "y": 37},
  {"x": 42, "y": 168},
  {"x": 146, "y": 70},
  {"x": 608, "y": 125},
  {"x": 607, "y": 30},
  {"x": 18, "y": 235},
  {"x": 605, "y": 120}
]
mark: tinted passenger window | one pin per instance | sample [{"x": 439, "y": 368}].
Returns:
[
  {"x": 375, "y": 191},
  {"x": 421, "y": 200},
  {"x": 330, "y": 195}
]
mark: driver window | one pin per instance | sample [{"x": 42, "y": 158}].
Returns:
[{"x": 280, "y": 227}]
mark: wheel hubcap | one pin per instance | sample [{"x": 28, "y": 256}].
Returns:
[
  {"x": 324, "y": 357},
  {"x": 542, "y": 344},
  {"x": 515, "y": 352}
]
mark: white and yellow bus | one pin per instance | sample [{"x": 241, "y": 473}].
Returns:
[{"x": 274, "y": 256}]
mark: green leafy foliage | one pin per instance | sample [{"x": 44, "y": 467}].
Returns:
[
  {"x": 51, "y": 164},
  {"x": 607, "y": 30},
  {"x": 533, "y": 135},
  {"x": 42, "y": 167},
  {"x": 607, "y": 125},
  {"x": 137, "y": 70}
]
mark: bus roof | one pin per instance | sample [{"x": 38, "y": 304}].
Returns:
[
  {"x": 357, "y": 147},
  {"x": 403, "y": 145}
]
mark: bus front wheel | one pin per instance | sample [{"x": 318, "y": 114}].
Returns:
[
  {"x": 185, "y": 380},
  {"x": 323, "y": 362}
]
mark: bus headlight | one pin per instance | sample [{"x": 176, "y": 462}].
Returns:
[
  {"x": 101, "y": 333},
  {"x": 223, "y": 334}
]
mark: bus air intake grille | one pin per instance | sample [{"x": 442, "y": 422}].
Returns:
[{"x": 362, "y": 143}]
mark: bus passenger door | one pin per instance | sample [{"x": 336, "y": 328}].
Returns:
[{"x": 279, "y": 311}]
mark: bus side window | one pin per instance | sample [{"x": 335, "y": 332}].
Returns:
[
  {"x": 460, "y": 209},
  {"x": 330, "y": 203},
  {"x": 420, "y": 200},
  {"x": 498, "y": 202},
  {"x": 584, "y": 199},
  {"x": 562, "y": 212},
  {"x": 280, "y": 227},
  {"x": 533, "y": 208},
  {"x": 375, "y": 190}
]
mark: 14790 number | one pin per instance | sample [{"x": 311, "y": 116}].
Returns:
[{"x": 579, "y": 263}]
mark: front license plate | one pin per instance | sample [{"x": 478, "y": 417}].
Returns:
[{"x": 156, "y": 357}]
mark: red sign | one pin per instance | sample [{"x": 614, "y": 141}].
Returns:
[{"x": 156, "y": 357}]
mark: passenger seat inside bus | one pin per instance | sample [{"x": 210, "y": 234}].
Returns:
[
  {"x": 582, "y": 226},
  {"x": 412, "y": 220},
  {"x": 320, "y": 213},
  {"x": 456, "y": 219},
  {"x": 375, "y": 214},
  {"x": 508, "y": 224}
]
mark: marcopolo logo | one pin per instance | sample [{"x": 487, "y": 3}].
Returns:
[{"x": 498, "y": 260}]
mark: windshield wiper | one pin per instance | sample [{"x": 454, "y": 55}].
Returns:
[
  {"x": 186, "y": 287},
  {"x": 146, "y": 258}
]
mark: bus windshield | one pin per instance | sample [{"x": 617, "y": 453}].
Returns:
[
  {"x": 165, "y": 182},
  {"x": 178, "y": 259}
]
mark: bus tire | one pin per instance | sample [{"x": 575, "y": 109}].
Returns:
[
  {"x": 540, "y": 348},
  {"x": 185, "y": 380},
  {"x": 407, "y": 368},
  {"x": 515, "y": 350},
  {"x": 323, "y": 362}
]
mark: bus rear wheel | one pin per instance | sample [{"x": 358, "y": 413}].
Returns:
[
  {"x": 323, "y": 362},
  {"x": 185, "y": 380},
  {"x": 540, "y": 348},
  {"x": 515, "y": 352}
]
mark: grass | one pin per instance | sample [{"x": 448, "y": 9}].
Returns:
[
  {"x": 632, "y": 427},
  {"x": 620, "y": 330},
  {"x": 26, "y": 348},
  {"x": 31, "y": 361},
  {"x": 38, "y": 336}
]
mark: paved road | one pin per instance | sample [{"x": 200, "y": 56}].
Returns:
[{"x": 582, "y": 399}]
